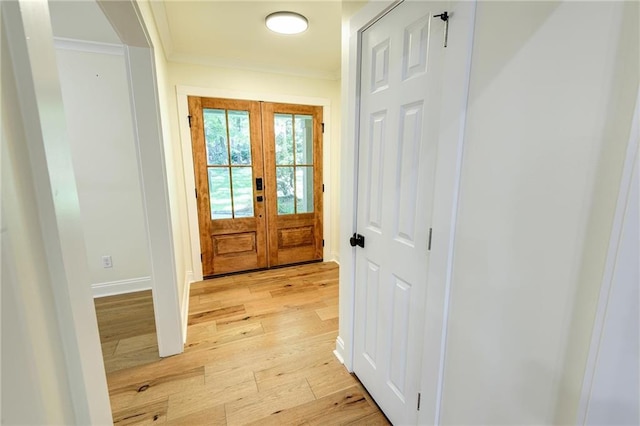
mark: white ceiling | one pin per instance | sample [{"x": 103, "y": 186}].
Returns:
[
  {"x": 226, "y": 33},
  {"x": 233, "y": 34}
]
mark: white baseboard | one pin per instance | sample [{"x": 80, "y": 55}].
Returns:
[
  {"x": 339, "y": 351},
  {"x": 188, "y": 279},
  {"x": 121, "y": 287},
  {"x": 335, "y": 257}
]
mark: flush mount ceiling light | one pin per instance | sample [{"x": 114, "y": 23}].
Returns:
[{"x": 286, "y": 22}]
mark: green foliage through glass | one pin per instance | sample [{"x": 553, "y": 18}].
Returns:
[
  {"x": 239, "y": 137},
  {"x": 215, "y": 133},
  {"x": 228, "y": 146},
  {"x": 220, "y": 193},
  {"x": 294, "y": 163},
  {"x": 242, "y": 191}
]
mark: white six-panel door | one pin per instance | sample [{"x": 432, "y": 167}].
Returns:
[{"x": 400, "y": 77}]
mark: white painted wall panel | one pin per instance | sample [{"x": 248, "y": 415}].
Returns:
[
  {"x": 540, "y": 136},
  {"x": 51, "y": 323},
  {"x": 35, "y": 388},
  {"x": 99, "y": 119}
]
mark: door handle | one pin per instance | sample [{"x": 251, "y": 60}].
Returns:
[
  {"x": 258, "y": 184},
  {"x": 357, "y": 240}
]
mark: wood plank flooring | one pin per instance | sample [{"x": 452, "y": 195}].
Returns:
[{"x": 259, "y": 351}]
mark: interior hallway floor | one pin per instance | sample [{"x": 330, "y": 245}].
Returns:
[{"x": 259, "y": 350}]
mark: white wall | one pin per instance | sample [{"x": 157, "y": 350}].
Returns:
[
  {"x": 99, "y": 121},
  {"x": 35, "y": 389},
  {"x": 551, "y": 98},
  {"x": 52, "y": 369},
  {"x": 625, "y": 65}
]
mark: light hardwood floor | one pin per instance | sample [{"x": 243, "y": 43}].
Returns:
[{"x": 259, "y": 350}]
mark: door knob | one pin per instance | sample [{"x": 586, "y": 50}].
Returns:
[{"x": 357, "y": 240}]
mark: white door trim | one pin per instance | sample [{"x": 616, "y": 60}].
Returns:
[
  {"x": 126, "y": 19},
  {"x": 456, "y": 82},
  {"x": 348, "y": 171},
  {"x": 456, "y": 73},
  {"x": 30, "y": 37},
  {"x": 612, "y": 256},
  {"x": 182, "y": 92}
]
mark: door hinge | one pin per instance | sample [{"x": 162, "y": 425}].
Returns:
[
  {"x": 200, "y": 257},
  {"x": 323, "y": 187},
  {"x": 196, "y": 189},
  {"x": 322, "y": 243},
  {"x": 418, "y": 401},
  {"x": 357, "y": 240},
  {"x": 430, "y": 233},
  {"x": 322, "y": 127},
  {"x": 189, "y": 117}
]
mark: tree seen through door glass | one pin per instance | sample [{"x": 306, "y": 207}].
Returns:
[
  {"x": 239, "y": 137},
  {"x": 283, "y": 129},
  {"x": 215, "y": 132},
  {"x": 242, "y": 191},
  {"x": 228, "y": 140},
  {"x": 285, "y": 183},
  {"x": 294, "y": 163},
  {"x": 304, "y": 139}
]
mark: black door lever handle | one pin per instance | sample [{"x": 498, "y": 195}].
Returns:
[{"x": 357, "y": 240}]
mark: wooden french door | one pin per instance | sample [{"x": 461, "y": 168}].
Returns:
[
  {"x": 258, "y": 173},
  {"x": 293, "y": 158},
  {"x": 228, "y": 160}
]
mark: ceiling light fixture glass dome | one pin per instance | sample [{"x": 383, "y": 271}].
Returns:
[{"x": 286, "y": 22}]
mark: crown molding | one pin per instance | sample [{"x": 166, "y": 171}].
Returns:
[
  {"x": 159, "y": 13},
  {"x": 88, "y": 46}
]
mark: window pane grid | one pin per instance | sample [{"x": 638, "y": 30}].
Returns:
[
  {"x": 294, "y": 171},
  {"x": 226, "y": 117},
  {"x": 229, "y": 163}
]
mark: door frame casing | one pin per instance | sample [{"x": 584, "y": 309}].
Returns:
[
  {"x": 171, "y": 322},
  {"x": 456, "y": 72},
  {"x": 182, "y": 94},
  {"x": 629, "y": 173}
]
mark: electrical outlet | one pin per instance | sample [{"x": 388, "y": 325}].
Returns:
[{"x": 106, "y": 262}]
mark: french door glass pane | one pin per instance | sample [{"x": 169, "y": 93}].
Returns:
[
  {"x": 220, "y": 193},
  {"x": 304, "y": 139},
  {"x": 294, "y": 149},
  {"x": 285, "y": 184},
  {"x": 283, "y": 130},
  {"x": 304, "y": 189},
  {"x": 239, "y": 137},
  {"x": 215, "y": 132},
  {"x": 242, "y": 191}
]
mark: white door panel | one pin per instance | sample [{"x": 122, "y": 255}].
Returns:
[{"x": 400, "y": 71}]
